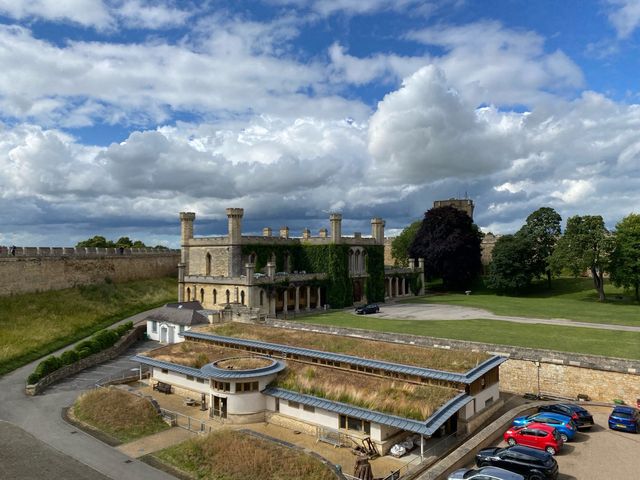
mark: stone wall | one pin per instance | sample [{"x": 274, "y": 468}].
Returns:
[
  {"x": 110, "y": 353},
  {"x": 37, "y": 273},
  {"x": 563, "y": 374}
]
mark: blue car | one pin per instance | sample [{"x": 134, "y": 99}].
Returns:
[
  {"x": 563, "y": 424},
  {"x": 625, "y": 418}
]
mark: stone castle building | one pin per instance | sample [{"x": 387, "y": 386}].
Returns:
[{"x": 272, "y": 274}]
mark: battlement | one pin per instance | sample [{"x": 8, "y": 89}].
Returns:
[{"x": 82, "y": 252}]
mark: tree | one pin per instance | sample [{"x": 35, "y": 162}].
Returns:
[
  {"x": 542, "y": 228},
  {"x": 96, "y": 241},
  {"x": 625, "y": 259},
  {"x": 400, "y": 245},
  {"x": 512, "y": 267},
  {"x": 585, "y": 245},
  {"x": 449, "y": 242},
  {"x": 124, "y": 242}
]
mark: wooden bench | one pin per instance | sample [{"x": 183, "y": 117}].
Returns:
[{"x": 162, "y": 387}]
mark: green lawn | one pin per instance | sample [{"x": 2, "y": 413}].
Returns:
[
  {"x": 568, "y": 339},
  {"x": 569, "y": 298},
  {"x": 35, "y": 324}
]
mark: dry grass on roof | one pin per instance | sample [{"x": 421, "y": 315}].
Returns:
[
  {"x": 394, "y": 397},
  {"x": 191, "y": 354},
  {"x": 448, "y": 360}
]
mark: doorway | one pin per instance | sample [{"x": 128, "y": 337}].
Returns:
[{"x": 219, "y": 407}]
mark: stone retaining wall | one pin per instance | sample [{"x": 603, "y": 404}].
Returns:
[
  {"x": 114, "y": 351},
  {"x": 562, "y": 374},
  {"x": 38, "y": 273}
]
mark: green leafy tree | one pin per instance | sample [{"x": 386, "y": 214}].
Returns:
[
  {"x": 124, "y": 242},
  {"x": 96, "y": 241},
  {"x": 585, "y": 246},
  {"x": 542, "y": 228},
  {"x": 138, "y": 244},
  {"x": 449, "y": 242},
  {"x": 625, "y": 260},
  {"x": 401, "y": 244},
  {"x": 512, "y": 267}
]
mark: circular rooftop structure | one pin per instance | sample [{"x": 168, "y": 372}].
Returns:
[{"x": 244, "y": 366}]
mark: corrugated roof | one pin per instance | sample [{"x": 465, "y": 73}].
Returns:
[
  {"x": 428, "y": 427},
  {"x": 210, "y": 371},
  {"x": 465, "y": 378}
]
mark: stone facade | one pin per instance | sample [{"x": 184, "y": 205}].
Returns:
[
  {"x": 31, "y": 272},
  {"x": 223, "y": 270}
]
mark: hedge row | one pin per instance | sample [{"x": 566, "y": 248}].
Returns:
[{"x": 100, "y": 341}]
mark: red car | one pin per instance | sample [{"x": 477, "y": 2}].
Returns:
[{"x": 535, "y": 435}]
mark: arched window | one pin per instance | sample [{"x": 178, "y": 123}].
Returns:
[
  {"x": 188, "y": 294},
  {"x": 215, "y": 296},
  {"x": 202, "y": 295},
  {"x": 228, "y": 296},
  {"x": 242, "y": 297},
  {"x": 364, "y": 262},
  {"x": 351, "y": 268},
  {"x": 261, "y": 297},
  {"x": 207, "y": 268},
  {"x": 357, "y": 261},
  {"x": 252, "y": 258}
]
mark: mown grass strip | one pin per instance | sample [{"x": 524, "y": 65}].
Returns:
[
  {"x": 36, "y": 324},
  {"x": 568, "y": 298},
  {"x": 591, "y": 341}
]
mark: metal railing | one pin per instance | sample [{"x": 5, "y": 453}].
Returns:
[
  {"x": 197, "y": 425},
  {"x": 124, "y": 376}
]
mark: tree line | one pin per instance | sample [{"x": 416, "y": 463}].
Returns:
[
  {"x": 123, "y": 242},
  {"x": 450, "y": 242}
]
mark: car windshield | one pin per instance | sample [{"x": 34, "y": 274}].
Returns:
[{"x": 623, "y": 415}]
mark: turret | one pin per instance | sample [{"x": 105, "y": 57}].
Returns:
[
  {"x": 186, "y": 226},
  {"x": 234, "y": 216},
  {"x": 377, "y": 230},
  {"x": 336, "y": 227}
]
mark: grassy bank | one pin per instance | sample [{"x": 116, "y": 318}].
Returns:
[
  {"x": 569, "y": 298},
  {"x": 566, "y": 339},
  {"x": 36, "y": 324},
  {"x": 120, "y": 414},
  {"x": 232, "y": 455}
]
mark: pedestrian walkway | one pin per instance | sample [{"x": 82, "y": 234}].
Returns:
[{"x": 156, "y": 442}]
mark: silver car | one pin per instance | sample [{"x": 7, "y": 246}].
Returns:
[{"x": 485, "y": 473}]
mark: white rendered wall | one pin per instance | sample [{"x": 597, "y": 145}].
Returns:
[
  {"x": 479, "y": 401},
  {"x": 180, "y": 380}
]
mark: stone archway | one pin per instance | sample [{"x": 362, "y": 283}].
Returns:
[{"x": 358, "y": 291}]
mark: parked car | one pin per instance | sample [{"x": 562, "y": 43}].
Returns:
[
  {"x": 625, "y": 418},
  {"x": 486, "y": 473},
  {"x": 565, "y": 426},
  {"x": 531, "y": 463},
  {"x": 580, "y": 416},
  {"x": 535, "y": 435},
  {"x": 369, "y": 308}
]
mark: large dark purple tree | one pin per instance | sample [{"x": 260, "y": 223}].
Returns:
[{"x": 449, "y": 242}]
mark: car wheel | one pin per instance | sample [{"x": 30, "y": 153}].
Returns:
[
  {"x": 512, "y": 442},
  {"x": 564, "y": 437},
  {"x": 550, "y": 450},
  {"x": 536, "y": 476}
]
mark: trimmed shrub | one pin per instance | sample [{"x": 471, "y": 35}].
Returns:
[
  {"x": 33, "y": 378},
  {"x": 84, "y": 352},
  {"x": 48, "y": 365},
  {"x": 104, "y": 339},
  {"x": 69, "y": 357},
  {"x": 124, "y": 328},
  {"x": 90, "y": 345}
]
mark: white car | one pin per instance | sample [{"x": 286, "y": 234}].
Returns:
[{"x": 485, "y": 473}]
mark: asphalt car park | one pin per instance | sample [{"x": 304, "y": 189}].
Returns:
[{"x": 598, "y": 453}]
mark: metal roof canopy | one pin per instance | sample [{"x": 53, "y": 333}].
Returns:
[
  {"x": 466, "y": 378},
  {"x": 428, "y": 427}
]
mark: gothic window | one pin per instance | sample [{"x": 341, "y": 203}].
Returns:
[
  {"x": 215, "y": 296},
  {"x": 208, "y": 264},
  {"x": 202, "y": 295},
  {"x": 188, "y": 294},
  {"x": 242, "y": 297},
  {"x": 228, "y": 295}
]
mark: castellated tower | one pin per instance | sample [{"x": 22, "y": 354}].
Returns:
[
  {"x": 186, "y": 234},
  {"x": 234, "y": 216},
  {"x": 377, "y": 230},
  {"x": 336, "y": 227}
]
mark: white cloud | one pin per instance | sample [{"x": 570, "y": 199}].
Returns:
[
  {"x": 625, "y": 16},
  {"x": 574, "y": 191},
  {"x": 505, "y": 67}
]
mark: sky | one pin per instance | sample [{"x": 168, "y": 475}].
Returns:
[{"x": 117, "y": 115}]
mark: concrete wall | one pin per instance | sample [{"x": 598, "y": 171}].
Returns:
[
  {"x": 563, "y": 374},
  {"x": 23, "y": 274}
]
